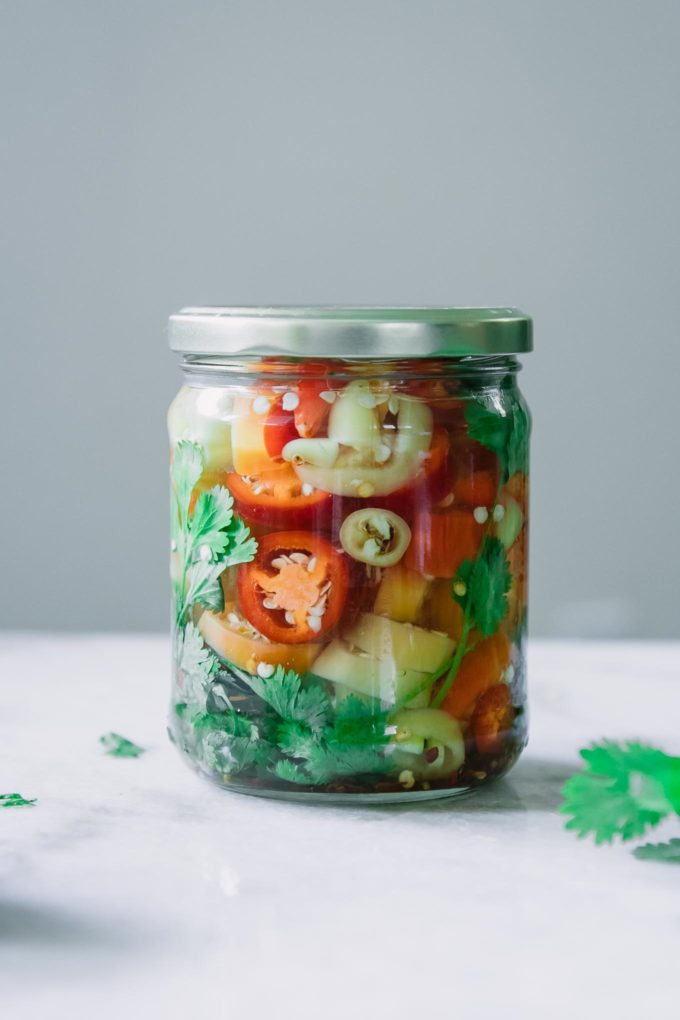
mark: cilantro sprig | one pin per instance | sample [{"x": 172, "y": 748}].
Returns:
[
  {"x": 16, "y": 800},
  {"x": 667, "y": 853},
  {"x": 503, "y": 430},
  {"x": 120, "y": 747},
  {"x": 207, "y": 539},
  {"x": 300, "y": 736},
  {"x": 323, "y": 742},
  {"x": 481, "y": 588},
  {"x": 623, "y": 790}
]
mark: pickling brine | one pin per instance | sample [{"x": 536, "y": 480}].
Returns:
[{"x": 348, "y": 557}]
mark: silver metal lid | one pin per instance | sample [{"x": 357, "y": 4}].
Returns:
[{"x": 338, "y": 332}]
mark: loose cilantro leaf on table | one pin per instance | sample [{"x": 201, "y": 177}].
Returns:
[
  {"x": 505, "y": 431},
  {"x": 668, "y": 853},
  {"x": 16, "y": 800},
  {"x": 623, "y": 790},
  {"x": 120, "y": 747},
  {"x": 481, "y": 586}
]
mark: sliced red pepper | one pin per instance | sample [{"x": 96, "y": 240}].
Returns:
[
  {"x": 278, "y": 500},
  {"x": 312, "y": 411},
  {"x": 475, "y": 473},
  {"x": 294, "y": 590},
  {"x": 492, "y": 718},
  {"x": 279, "y": 428}
]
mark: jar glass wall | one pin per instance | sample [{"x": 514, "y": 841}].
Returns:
[{"x": 349, "y": 563}]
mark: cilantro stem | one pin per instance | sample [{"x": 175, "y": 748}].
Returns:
[
  {"x": 461, "y": 650},
  {"x": 451, "y": 667}
]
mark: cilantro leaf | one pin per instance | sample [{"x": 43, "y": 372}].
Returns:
[
  {"x": 284, "y": 692},
  {"x": 518, "y": 441},
  {"x": 291, "y": 773},
  {"x": 206, "y": 539},
  {"x": 225, "y": 742},
  {"x": 334, "y": 760},
  {"x": 229, "y": 753},
  {"x": 505, "y": 431},
  {"x": 490, "y": 428},
  {"x": 242, "y": 546},
  {"x": 295, "y": 739},
  {"x": 120, "y": 747},
  {"x": 216, "y": 533},
  {"x": 669, "y": 853},
  {"x": 185, "y": 471},
  {"x": 212, "y": 514},
  {"x": 16, "y": 800},
  {"x": 203, "y": 585},
  {"x": 620, "y": 792},
  {"x": 197, "y": 662},
  {"x": 358, "y": 723},
  {"x": 481, "y": 586}
]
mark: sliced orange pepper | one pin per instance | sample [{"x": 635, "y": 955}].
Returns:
[
  {"x": 492, "y": 718},
  {"x": 478, "y": 670},
  {"x": 441, "y": 541},
  {"x": 442, "y": 612},
  {"x": 232, "y": 639}
]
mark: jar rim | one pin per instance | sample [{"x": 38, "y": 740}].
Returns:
[{"x": 337, "y": 331}]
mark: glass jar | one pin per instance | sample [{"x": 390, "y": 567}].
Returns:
[{"x": 349, "y": 549}]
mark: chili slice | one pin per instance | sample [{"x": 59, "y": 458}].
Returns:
[
  {"x": 278, "y": 500},
  {"x": 492, "y": 718},
  {"x": 294, "y": 590}
]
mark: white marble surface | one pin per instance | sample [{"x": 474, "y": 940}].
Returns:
[{"x": 135, "y": 889}]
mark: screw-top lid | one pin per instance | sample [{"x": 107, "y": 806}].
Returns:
[{"x": 338, "y": 332}]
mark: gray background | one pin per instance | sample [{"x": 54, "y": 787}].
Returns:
[{"x": 158, "y": 153}]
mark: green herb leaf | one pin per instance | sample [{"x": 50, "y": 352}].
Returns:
[
  {"x": 481, "y": 586},
  {"x": 488, "y": 427},
  {"x": 198, "y": 664},
  {"x": 506, "y": 432},
  {"x": 291, "y": 773},
  {"x": 203, "y": 585},
  {"x": 120, "y": 747},
  {"x": 242, "y": 546},
  {"x": 206, "y": 541},
  {"x": 186, "y": 469},
  {"x": 518, "y": 441},
  {"x": 358, "y": 723},
  {"x": 216, "y": 532},
  {"x": 668, "y": 853},
  {"x": 295, "y": 739},
  {"x": 16, "y": 800},
  {"x": 284, "y": 692},
  {"x": 620, "y": 792},
  {"x": 331, "y": 761},
  {"x": 227, "y": 753}
]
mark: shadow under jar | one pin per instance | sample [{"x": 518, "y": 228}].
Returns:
[{"x": 349, "y": 505}]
